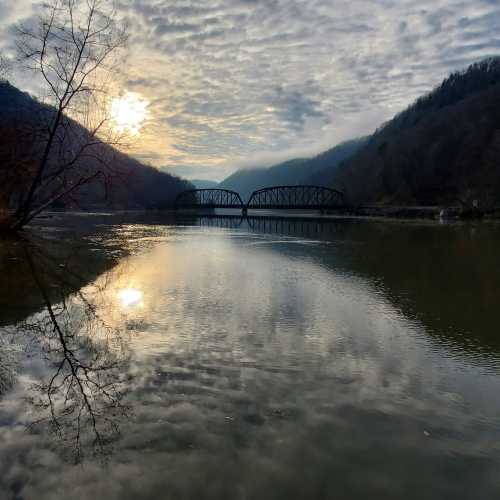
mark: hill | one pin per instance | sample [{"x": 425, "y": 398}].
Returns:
[
  {"x": 128, "y": 184},
  {"x": 443, "y": 149},
  {"x": 245, "y": 181},
  {"x": 298, "y": 171},
  {"x": 203, "y": 184}
]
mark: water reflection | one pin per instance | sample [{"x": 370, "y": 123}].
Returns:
[
  {"x": 250, "y": 363},
  {"x": 297, "y": 227},
  {"x": 73, "y": 384}
]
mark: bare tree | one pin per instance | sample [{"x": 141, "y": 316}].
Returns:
[{"x": 72, "y": 49}]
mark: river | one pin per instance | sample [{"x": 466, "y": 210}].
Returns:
[{"x": 210, "y": 358}]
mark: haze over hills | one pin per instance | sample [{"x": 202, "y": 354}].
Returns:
[
  {"x": 297, "y": 171},
  {"x": 443, "y": 149},
  {"x": 129, "y": 183},
  {"x": 203, "y": 183}
]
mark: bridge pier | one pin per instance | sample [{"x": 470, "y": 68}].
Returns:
[{"x": 244, "y": 211}]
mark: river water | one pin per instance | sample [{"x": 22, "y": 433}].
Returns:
[{"x": 220, "y": 359}]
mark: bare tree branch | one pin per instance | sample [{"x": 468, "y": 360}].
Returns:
[{"x": 71, "y": 48}]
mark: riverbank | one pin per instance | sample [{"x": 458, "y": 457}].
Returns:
[
  {"x": 374, "y": 212},
  {"x": 421, "y": 212}
]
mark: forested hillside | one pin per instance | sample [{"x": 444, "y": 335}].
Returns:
[
  {"x": 128, "y": 183},
  {"x": 444, "y": 149},
  {"x": 298, "y": 171}
]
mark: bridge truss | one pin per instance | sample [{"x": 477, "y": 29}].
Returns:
[
  {"x": 296, "y": 197},
  {"x": 209, "y": 198}
]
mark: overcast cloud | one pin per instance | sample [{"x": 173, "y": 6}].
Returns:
[{"x": 250, "y": 82}]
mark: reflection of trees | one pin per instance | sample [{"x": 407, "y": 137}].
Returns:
[
  {"x": 6, "y": 368},
  {"x": 80, "y": 399}
]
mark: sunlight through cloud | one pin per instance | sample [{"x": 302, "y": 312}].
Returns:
[{"x": 128, "y": 113}]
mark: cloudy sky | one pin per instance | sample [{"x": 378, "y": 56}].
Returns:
[{"x": 234, "y": 83}]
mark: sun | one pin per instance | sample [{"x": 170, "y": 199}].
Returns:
[{"x": 128, "y": 113}]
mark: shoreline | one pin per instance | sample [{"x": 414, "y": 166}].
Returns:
[{"x": 374, "y": 213}]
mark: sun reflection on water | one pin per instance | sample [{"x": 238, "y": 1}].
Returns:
[{"x": 131, "y": 297}]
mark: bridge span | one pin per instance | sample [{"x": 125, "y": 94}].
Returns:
[
  {"x": 300, "y": 197},
  {"x": 209, "y": 198}
]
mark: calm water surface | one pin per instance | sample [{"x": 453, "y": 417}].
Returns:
[{"x": 278, "y": 359}]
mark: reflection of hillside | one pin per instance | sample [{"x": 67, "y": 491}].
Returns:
[
  {"x": 68, "y": 261},
  {"x": 445, "y": 276},
  {"x": 70, "y": 249}
]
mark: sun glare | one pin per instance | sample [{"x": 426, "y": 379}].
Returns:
[
  {"x": 130, "y": 297},
  {"x": 128, "y": 113}
]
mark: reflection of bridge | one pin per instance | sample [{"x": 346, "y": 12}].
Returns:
[
  {"x": 270, "y": 198},
  {"x": 310, "y": 227}
]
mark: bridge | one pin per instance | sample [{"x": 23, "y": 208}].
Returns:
[
  {"x": 270, "y": 198},
  {"x": 209, "y": 198}
]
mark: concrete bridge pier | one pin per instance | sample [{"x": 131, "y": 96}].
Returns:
[{"x": 244, "y": 211}]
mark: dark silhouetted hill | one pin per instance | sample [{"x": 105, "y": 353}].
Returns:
[
  {"x": 129, "y": 183},
  {"x": 443, "y": 149}
]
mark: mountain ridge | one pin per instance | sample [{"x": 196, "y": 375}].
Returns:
[
  {"x": 291, "y": 172},
  {"x": 443, "y": 149},
  {"x": 130, "y": 184}
]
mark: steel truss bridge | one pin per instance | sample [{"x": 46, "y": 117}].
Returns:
[
  {"x": 269, "y": 198},
  {"x": 209, "y": 198}
]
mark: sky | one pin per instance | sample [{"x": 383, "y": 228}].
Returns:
[{"x": 244, "y": 83}]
